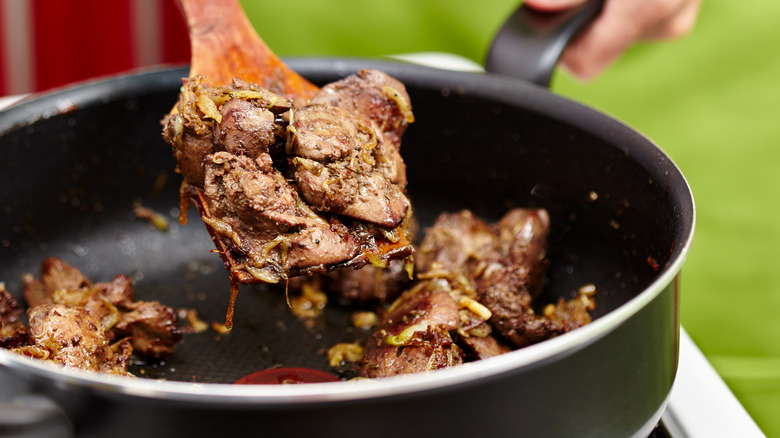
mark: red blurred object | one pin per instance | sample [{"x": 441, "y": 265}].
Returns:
[
  {"x": 50, "y": 43},
  {"x": 288, "y": 375}
]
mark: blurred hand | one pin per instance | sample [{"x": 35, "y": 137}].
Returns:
[{"x": 621, "y": 24}]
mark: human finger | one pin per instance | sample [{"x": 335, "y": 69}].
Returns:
[
  {"x": 679, "y": 24},
  {"x": 553, "y": 5},
  {"x": 621, "y": 24}
]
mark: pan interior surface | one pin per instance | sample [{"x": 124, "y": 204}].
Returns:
[{"x": 71, "y": 181}]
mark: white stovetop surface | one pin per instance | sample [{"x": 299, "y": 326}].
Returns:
[{"x": 701, "y": 405}]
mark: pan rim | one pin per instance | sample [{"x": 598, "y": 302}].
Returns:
[{"x": 228, "y": 394}]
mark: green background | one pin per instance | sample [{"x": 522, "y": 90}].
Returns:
[{"x": 710, "y": 100}]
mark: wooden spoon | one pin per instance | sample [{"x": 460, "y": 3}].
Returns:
[{"x": 225, "y": 45}]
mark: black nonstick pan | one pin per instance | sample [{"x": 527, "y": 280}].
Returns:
[{"x": 74, "y": 163}]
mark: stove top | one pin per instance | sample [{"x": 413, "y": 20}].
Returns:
[{"x": 701, "y": 405}]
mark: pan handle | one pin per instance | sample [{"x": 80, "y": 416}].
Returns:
[
  {"x": 530, "y": 42},
  {"x": 29, "y": 416}
]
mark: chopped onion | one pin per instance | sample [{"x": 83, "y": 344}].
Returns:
[
  {"x": 403, "y": 105},
  {"x": 375, "y": 260},
  {"x": 209, "y": 108},
  {"x": 475, "y": 306},
  {"x": 407, "y": 334}
]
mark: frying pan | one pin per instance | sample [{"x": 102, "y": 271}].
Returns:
[{"x": 74, "y": 162}]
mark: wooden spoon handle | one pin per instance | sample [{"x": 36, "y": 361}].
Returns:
[{"x": 225, "y": 45}]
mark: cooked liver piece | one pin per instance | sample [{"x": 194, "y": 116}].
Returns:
[
  {"x": 255, "y": 205},
  {"x": 72, "y": 337},
  {"x": 414, "y": 334}
]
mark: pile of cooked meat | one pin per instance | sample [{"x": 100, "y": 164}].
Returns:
[
  {"x": 472, "y": 296},
  {"x": 83, "y": 325},
  {"x": 288, "y": 190}
]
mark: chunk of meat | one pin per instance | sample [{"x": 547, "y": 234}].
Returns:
[
  {"x": 56, "y": 275},
  {"x": 457, "y": 242},
  {"x": 74, "y": 338},
  {"x": 119, "y": 291},
  {"x": 10, "y": 309},
  {"x": 426, "y": 304},
  {"x": 327, "y": 133},
  {"x": 525, "y": 232},
  {"x": 375, "y": 95},
  {"x": 245, "y": 129},
  {"x": 334, "y": 160},
  {"x": 428, "y": 350},
  {"x": 414, "y": 334},
  {"x": 384, "y": 102},
  {"x": 260, "y": 218},
  {"x": 251, "y": 195},
  {"x": 368, "y": 284},
  {"x": 70, "y": 334},
  {"x": 151, "y": 326},
  {"x": 190, "y": 158},
  {"x": 503, "y": 291},
  {"x": 340, "y": 189},
  {"x": 13, "y": 332},
  {"x": 479, "y": 348},
  {"x": 199, "y": 128}
]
